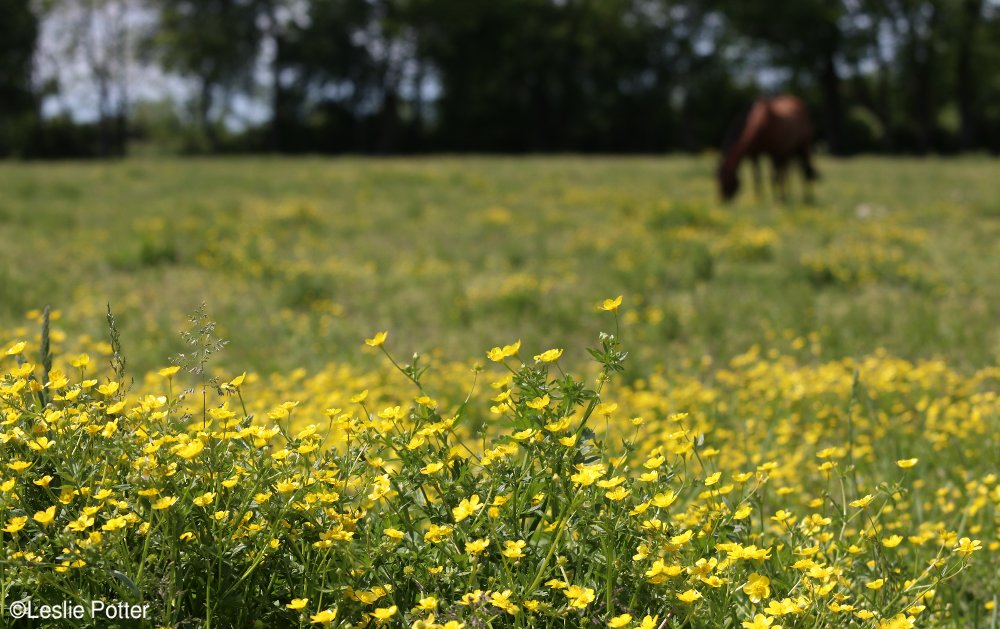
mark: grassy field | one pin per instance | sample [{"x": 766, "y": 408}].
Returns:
[
  {"x": 459, "y": 254},
  {"x": 790, "y": 419}
]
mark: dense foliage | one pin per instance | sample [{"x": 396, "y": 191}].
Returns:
[
  {"x": 521, "y": 75},
  {"x": 855, "y": 495}
]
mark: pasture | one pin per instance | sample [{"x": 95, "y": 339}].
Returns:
[
  {"x": 803, "y": 432},
  {"x": 457, "y": 254}
]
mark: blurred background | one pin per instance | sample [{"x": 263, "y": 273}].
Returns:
[{"x": 99, "y": 78}]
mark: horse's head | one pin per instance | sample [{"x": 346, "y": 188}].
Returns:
[{"x": 729, "y": 183}]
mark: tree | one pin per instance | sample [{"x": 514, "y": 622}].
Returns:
[
  {"x": 216, "y": 44},
  {"x": 92, "y": 54},
  {"x": 803, "y": 36},
  {"x": 18, "y": 37}
]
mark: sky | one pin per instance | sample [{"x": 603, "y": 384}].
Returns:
[{"x": 72, "y": 42}]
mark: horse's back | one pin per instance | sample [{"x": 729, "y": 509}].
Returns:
[{"x": 789, "y": 129}]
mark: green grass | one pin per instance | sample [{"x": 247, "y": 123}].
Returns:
[
  {"x": 753, "y": 386},
  {"x": 299, "y": 259}
]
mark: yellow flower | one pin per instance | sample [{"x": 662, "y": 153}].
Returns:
[
  {"x": 16, "y": 348},
  {"x": 108, "y": 389},
  {"x": 611, "y": 305},
  {"x": 781, "y": 515},
  {"x": 578, "y": 596},
  {"x": 191, "y": 449},
  {"x": 383, "y": 613},
  {"x": 875, "y": 585},
  {"x": 683, "y": 538},
  {"x": 286, "y": 486},
  {"x": 713, "y": 479},
  {"x": 619, "y": 621},
  {"x": 512, "y": 549},
  {"x": 235, "y": 383},
  {"x": 586, "y": 475},
  {"x": 204, "y": 499},
  {"x": 966, "y": 546},
  {"x": 477, "y": 546},
  {"x": 892, "y": 541},
  {"x": 164, "y": 503},
  {"x": 378, "y": 339},
  {"x": 167, "y": 372},
  {"x": 497, "y": 354},
  {"x": 654, "y": 462},
  {"x": 905, "y": 463},
  {"x": 757, "y": 587},
  {"x": 82, "y": 523},
  {"x": 15, "y": 524},
  {"x": 45, "y": 517},
  {"x": 760, "y": 621},
  {"x": 606, "y": 408},
  {"x": 618, "y": 493},
  {"x": 539, "y": 402},
  {"x": 549, "y": 356},
  {"x": 649, "y": 622},
  {"x": 689, "y": 596},
  {"x": 665, "y": 499},
  {"x": 431, "y": 468},
  {"x": 862, "y": 502},
  {"x": 297, "y": 603},
  {"x": 186, "y": 536},
  {"x": 323, "y": 617},
  {"x": 899, "y": 621},
  {"x": 428, "y": 603},
  {"x": 41, "y": 444},
  {"x": 468, "y": 506},
  {"x": 437, "y": 533},
  {"x": 501, "y": 600}
]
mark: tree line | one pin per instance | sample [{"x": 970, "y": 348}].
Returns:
[{"x": 397, "y": 76}]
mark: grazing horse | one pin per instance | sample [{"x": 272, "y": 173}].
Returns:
[{"x": 778, "y": 127}]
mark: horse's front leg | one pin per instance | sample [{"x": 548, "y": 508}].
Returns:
[{"x": 809, "y": 175}]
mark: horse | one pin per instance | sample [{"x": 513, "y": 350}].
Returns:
[{"x": 778, "y": 127}]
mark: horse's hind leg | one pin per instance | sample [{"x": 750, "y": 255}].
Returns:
[
  {"x": 809, "y": 173},
  {"x": 779, "y": 179},
  {"x": 758, "y": 185}
]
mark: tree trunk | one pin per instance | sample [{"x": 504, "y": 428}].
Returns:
[
  {"x": 277, "y": 100},
  {"x": 965, "y": 83},
  {"x": 276, "y": 142},
  {"x": 122, "y": 54},
  {"x": 922, "y": 67},
  {"x": 833, "y": 105},
  {"x": 204, "y": 111}
]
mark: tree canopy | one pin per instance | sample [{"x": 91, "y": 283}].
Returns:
[{"x": 517, "y": 75}]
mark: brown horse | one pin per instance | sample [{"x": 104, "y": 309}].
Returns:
[{"x": 778, "y": 127}]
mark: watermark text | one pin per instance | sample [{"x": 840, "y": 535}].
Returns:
[{"x": 67, "y": 610}]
